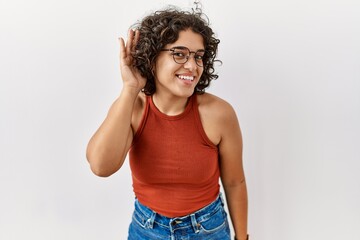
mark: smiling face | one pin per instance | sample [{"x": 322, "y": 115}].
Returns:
[{"x": 179, "y": 80}]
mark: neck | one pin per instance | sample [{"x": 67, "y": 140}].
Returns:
[{"x": 170, "y": 105}]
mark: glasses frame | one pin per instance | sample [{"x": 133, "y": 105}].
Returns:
[{"x": 188, "y": 56}]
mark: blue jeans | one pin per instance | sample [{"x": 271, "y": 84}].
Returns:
[{"x": 208, "y": 223}]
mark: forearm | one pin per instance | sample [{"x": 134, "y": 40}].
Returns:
[
  {"x": 108, "y": 147},
  {"x": 236, "y": 196}
]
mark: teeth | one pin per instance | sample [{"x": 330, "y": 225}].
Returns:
[{"x": 191, "y": 78}]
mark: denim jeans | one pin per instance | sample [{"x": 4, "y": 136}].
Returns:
[{"x": 208, "y": 223}]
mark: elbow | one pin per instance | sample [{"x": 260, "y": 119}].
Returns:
[
  {"x": 100, "y": 172},
  {"x": 101, "y": 167}
]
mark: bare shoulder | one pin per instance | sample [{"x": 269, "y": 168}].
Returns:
[
  {"x": 138, "y": 111},
  {"x": 217, "y": 116},
  {"x": 215, "y": 107},
  {"x": 140, "y": 101}
]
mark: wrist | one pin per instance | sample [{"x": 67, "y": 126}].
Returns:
[
  {"x": 129, "y": 93},
  {"x": 130, "y": 90},
  {"x": 247, "y": 238}
]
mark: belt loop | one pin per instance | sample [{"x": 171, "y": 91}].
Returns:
[
  {"x": 195, "y": 224},
  {"x": 150, "y": 221}
]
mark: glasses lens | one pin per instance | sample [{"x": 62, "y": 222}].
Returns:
[
  {"x": 180, "y": 55},
  {"x": 199, "y": 56}
]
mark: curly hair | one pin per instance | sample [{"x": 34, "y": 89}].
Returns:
[{"x": 163, "y": 27}]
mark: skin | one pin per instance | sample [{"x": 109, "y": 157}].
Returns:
[{"x": 108, "y": 147}]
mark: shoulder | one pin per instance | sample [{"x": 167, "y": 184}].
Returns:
[
  {"x": 140, "y": 101},
  {"x": 215, "y": 107},
  {"x": 217, "y": 117},
  {"x": 138, "y": 112}
]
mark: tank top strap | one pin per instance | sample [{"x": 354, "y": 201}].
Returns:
[{"x": 199, "y": 123}]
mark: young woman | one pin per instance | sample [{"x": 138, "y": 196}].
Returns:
[{"x": 180, "y": 140}]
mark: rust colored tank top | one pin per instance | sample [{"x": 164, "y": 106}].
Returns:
[{"x": 175, "y": 167}]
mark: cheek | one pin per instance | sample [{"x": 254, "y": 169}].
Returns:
[
  {"x": 165, "y": 67},
  {"x": 165, "y": 72},
  {"x": 201, "y": 71}
]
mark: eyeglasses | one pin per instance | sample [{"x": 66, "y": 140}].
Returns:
[{"x": 182, "y": 54}]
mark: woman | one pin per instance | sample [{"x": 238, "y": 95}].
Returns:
[{"x": 180, "y": 139}]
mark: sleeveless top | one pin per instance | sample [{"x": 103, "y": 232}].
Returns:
[{"x": 174, "y": 165}]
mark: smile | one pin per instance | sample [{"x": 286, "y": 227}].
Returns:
[{"x": 188, "y": 78}]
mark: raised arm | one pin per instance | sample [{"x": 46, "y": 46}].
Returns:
[{"x": 108, "y": 147}]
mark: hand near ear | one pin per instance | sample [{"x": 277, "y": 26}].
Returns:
[{"x": 131, "y": 76}]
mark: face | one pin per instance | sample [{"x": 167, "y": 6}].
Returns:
[{"x": 177, "y": 79}]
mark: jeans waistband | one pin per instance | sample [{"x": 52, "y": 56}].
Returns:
[{"x": 192, "y": 220}]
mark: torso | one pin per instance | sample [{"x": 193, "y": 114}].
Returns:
[{"x": 169, "y": 155}]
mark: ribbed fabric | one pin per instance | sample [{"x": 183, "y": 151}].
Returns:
[{"x": 175, "y": 168}]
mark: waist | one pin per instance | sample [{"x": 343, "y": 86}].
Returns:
[
  {"x": 176, "y": 200},
  {"x": 193, "y": 219}
]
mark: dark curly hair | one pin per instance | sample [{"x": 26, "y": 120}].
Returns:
[{"x": 163, "y": 27}]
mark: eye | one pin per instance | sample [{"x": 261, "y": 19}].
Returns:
[
  {"x": 179, "y": 54},
  {"x": 199, "y": 57}
]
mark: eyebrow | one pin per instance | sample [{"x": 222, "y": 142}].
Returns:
[{"x": 183, "y": 47}]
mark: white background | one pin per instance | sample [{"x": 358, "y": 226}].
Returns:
[{"x": 291, "y": 70}]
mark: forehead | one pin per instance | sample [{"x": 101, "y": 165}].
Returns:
[{"x": 188, "y": 38}]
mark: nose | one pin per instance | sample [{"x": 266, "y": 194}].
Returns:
[{"x": 191, "y": 63}]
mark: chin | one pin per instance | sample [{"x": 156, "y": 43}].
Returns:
[{"x": 187, "y": 94}]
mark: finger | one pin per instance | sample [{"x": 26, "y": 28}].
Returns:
[
  {"x": 123, "y": 54},
  {"x": 136, "y": 39},
  {"x": 129, "y": 41}
]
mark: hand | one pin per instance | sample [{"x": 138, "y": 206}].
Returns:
[{"x": 130, "y": 75}]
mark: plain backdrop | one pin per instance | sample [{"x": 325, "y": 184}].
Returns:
[{"x": 291, "y": 70}]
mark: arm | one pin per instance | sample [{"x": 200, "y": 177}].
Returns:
[
  {"x": 232, "y": 173},
  {"x": 108, "y": 147}
]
